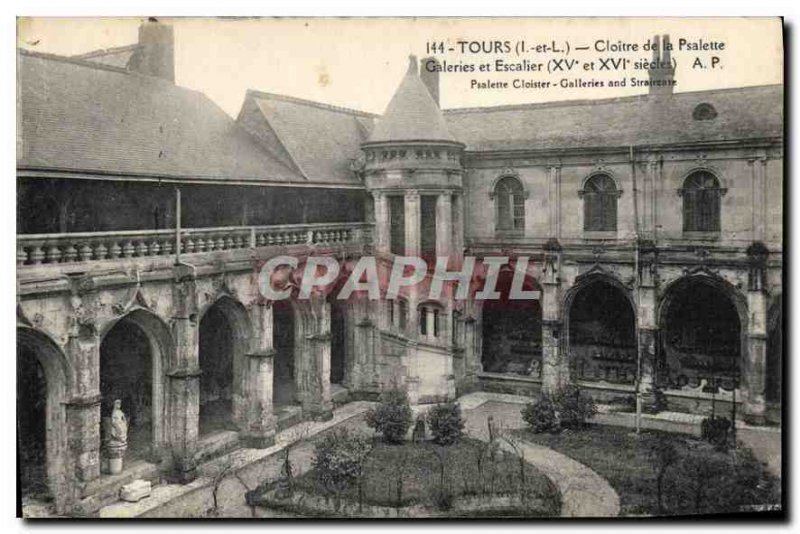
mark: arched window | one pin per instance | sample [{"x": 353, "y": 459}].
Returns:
[
  {"x": 398, "y": 313},
  {"x": 509, "y": 199},
  {"x": 701, "y": 200},
  {"x": 600, "y": 195},
  {"x": 430, "y": 320}
]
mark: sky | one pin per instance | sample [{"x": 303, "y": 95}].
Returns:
[{"x": 358, "y": 63}]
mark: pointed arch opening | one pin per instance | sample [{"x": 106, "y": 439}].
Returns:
[
  {"x": 284, "y": 390},
  {"x": 511, "y": 330},
  {"x": 133, "y": 353},
  {"x": 703, "y": 336},
  {"x": 42, "y": 386},
  {"x": 601, "y": 332},
  {"x": 224, "y": 336}
]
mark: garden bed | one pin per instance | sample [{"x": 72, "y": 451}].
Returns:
[
  {"x": 426, "y": 480},
  {"x": 699, "y": 480}
]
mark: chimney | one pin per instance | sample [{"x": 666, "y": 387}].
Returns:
[
  {"x": 661, "y": 73},
  {"x": 429, "y": 72},
  {"x": 156, "y": 53}
]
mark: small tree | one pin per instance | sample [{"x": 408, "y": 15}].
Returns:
[
  {"x": 339, "y": 460},
  {"x": 296, "y": 435},
  {"x": 446, "y": 423},
  {"x": 392, "y": 417},
  {"x": 442, "y": 496},
  {"x": 662, "y": 454},
  {"x": 519, "y": 453},
  {"x": 222, "y": 471},
  {"x": 400, "y": 467}
]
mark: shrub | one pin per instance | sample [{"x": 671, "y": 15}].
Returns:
[
  {"x": 716, "y": 431},
  {"x": 567, "y": 408},
  {"x": 446, "y": 423},
  {"x": 540, "y": 415},
  {"x": 574, "y": 407},
  {"x": 392, "y": 417},
  {"x": 339, "y": 458},
  {"x": 705, "y": 481}
]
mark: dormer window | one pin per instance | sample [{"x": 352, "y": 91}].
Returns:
[{"x": 704, "y": 112}]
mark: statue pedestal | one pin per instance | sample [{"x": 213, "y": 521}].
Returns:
[
  {"x": 114, "y": 455},
  {"x": 115, "y": 466}
]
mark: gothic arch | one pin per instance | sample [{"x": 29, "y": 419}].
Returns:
[
  {"x": 671, "y": 296},
  {"x": 163, "y": 358},
  {"x": 509, "y": 332},
  {"x": 58, "y": 381},
  {"x": 238, "y": 321},
  {"x": 615, "y": 343}
]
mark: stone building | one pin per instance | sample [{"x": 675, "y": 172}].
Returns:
[{"x": 652, "y": 224}]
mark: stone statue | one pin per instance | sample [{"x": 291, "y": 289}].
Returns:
[
  {"x": 117, "y": 441},
  {"x": 119, "y": 425}
]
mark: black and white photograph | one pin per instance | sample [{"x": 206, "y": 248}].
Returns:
[{"x": 400, "y": 268}]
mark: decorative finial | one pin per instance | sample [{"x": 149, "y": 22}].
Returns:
[{"x": 412, "y": 64}]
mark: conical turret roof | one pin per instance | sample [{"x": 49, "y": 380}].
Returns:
[{"x": 412, "y": 114}]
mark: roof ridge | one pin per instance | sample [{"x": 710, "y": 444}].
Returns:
[
  {"x": 106, "y": 51},
  {"x": 75, "y": 61},
  {"x": 312, "y": 103},
  {"x": 586, "y": 101}
]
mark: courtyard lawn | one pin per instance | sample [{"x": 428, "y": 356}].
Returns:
[
  {"x": 418, "y": 470},
  {"x": 701, "y": 480}
]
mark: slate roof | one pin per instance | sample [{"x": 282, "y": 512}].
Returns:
[
  {"x": 119, "y": 56},
  {"x": 318, "y": 140},
  {"x": 742, "y": 113},
  {"x": 79, "y": 116},
  {"x": 412, "y": 114}
]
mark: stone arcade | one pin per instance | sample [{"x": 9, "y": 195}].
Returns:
[{"x": 653, "y": 224}]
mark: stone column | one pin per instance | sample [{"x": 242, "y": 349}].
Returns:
[
  {"x": 381, "y": 222},
  {"x": 647, "y": 329},
  {"x": 314, "y": 381},
  {"x": 758, "y": 168},
  {"x": 83, "y": 410},
  {"x": 472, "y": 363},
  {"x": 755, "y": 365},
  {"x": 182, "y": 408},
  {"x": 753, "y": 380},
  {"x": 260, "y": 419},
  {"x": 555, "y": 364},
  {"x": 458, "y": 227},
  {"x": 554, "y": 199},
  {"x": 444, "y": 225},
  {"x": 412, "y": 220}
]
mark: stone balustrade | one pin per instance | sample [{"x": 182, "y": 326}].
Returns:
[{"x": 38, "y": 249}]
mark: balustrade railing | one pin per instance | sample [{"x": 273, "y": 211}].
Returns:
[{"x": 37, "y": 249}]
